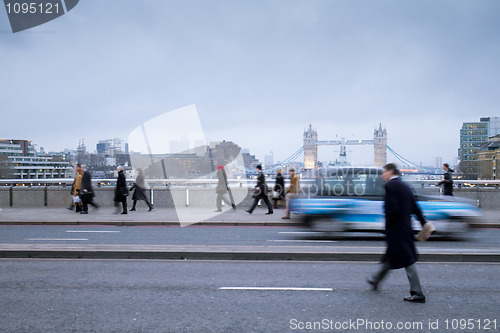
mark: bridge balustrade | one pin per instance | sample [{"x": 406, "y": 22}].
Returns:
[{"x": 201, "y": 192}]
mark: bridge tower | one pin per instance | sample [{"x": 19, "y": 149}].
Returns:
[
  {"x": 310, "y": 149},
  {"x": 380, "y": 146}
]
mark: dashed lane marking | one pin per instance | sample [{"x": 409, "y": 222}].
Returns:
[
  {"x": 91, "y": 231},
  {"x": 301, "y": 241},
  {"x": 276, "y": 288},
  {"x": 56, "y": 239}
]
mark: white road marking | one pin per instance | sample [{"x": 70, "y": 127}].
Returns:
[
  {"x": 298, "y": 232},
  {"x": 56, "y": 239},
  {"x": 91, "y": 231},
  {"x": 301, "y": 241},
  {"x": 276, "y": 288}
]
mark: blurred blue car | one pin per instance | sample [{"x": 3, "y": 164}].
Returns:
[{"x": 352, "y": 199}]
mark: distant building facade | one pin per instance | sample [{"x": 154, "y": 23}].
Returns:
[
  {"x": 438, "y": 162},
  {"x": 111, "y": 147},
  {"x": 488, "y": 159},
  {"x": 269, "y": 159},
  {"x": 19, "y": 160},
  {"x": 473, "y": 136},
  {"x": 108, "y": 154},
  {"x": 250, "y": 160},
  {"x": 16, "y": 147},
  {"x": 39, "y": 167},
  {"x": 196, "y": 163}
]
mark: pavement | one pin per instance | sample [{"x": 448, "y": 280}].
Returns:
[
  {"x": 106, "y": 216},
  {"x": 141, "y": 217}
]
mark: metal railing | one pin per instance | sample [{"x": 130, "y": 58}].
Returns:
[
  {"x": 485, "y": 192},
  {"x": 248, "y": 182}
]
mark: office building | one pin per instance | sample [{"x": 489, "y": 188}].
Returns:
[
  {"x": 438, "y": 162},
  {"x": 269, "y": 159},
  {"x": 16, "y": 147},
  {"x": 19, "y": 160},
  {"x": 111, "y": 147},
  {"x": 488, "y": 156},
  {"x": 473, "y": 136}
]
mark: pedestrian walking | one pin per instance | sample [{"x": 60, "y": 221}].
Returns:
[
  {"x": 279, "y": 188},
  {"x": 75, "y": 189},
  {"x": 77, "y": 186},
  {"x": 139, "y": 187},
  {"x": 400, "y": 205},
  {"x": 260, "y": 192},
  {"x": 221, "y": 189},
  {"x": 121, "y": 190},
  {"x": 292, "y": 192},
  {"x": 87, "y": 191},
  {"x": 447, "y": 180}
]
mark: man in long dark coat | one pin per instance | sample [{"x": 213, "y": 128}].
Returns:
[
  {"x": 121, "y": 190},
  {"x": 400, "y": 204},
  {"x": 140, "y": 186},
  {"x": 222, "y": 189},
  {"x": 87, "y": 192},
  {"x": 260, "y": 192},
  {"x": 279, "y": 188}
]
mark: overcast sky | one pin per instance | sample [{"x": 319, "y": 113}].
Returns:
[{"x": 259, "y": 72}]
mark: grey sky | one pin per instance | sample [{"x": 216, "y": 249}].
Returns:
[{"x": 258, "y": 71}]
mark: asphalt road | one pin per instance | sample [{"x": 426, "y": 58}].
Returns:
[
  {"x": 192, "y": 296},
  {"x": 220, "y": 235}
]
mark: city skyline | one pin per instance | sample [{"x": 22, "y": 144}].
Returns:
[
  {"x": 324, "y": 155},
  {"x": 189, "y": 148},
  {"x": 258, "y": 72}
]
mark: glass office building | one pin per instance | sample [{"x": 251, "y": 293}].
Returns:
[{"x": 472, "y": 136}]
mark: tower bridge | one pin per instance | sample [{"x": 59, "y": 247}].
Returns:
[
  {"x": 380, "y": 149},
  {"x": 311, "y": 144}
]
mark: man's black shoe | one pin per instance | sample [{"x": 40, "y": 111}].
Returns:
[
  {"x": 415, "y": 298},
  {"x": 373, "y": 284}
]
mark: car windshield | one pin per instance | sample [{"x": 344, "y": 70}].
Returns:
[{"x": 345, "y": 181}]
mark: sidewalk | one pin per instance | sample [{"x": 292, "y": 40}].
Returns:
[{"x": 161, "y": 216}]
